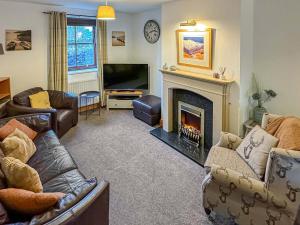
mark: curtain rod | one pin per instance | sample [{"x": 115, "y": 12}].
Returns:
[{"x": 94, "y": 17}]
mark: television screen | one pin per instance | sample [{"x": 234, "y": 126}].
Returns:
[{"x": 126, "y": 76}]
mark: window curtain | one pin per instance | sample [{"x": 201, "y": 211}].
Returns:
[
  {"x": 101, "y": 56},
  {"x": 58, "y": 71}
]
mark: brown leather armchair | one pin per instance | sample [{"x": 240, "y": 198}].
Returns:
[{"x": 64, "y": 114}]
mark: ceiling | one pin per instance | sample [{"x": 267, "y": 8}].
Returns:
[{"x": 129, "y": 6}]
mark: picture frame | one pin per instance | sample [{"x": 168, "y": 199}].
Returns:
[
  {"x": 118, "y": 38},
  {"x": 18, "y": 40},
  {"x": 194, "y": 48}
]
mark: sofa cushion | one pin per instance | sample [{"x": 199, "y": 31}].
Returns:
[
  {"x": 65, "y": 183},
  {"x": 228, "y": 158},
  {"x": 10, "y": 127},
  {"x": 18, "y": 145},
  {"x": 28, "y": 202},
  {"x": 40, "y": 100},
  {"x": 46, "y": 140},
  {"x": 255, "y": 149},
  {"x": 20, "y": 175},
  {"x": 23, "y": 97},
  {"x": 51, "y": 162}
]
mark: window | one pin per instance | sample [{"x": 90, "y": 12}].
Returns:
[{"x": 81, "y": 44}]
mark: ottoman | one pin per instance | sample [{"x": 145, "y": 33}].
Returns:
[{"x": 147, "y": 109}]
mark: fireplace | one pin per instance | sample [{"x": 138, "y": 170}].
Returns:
[{"x": 191, "y": 123}]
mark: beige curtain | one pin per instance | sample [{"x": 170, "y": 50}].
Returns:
[
  {"x": 58, "y": 72},
  {"x": 101, "y": 55}
]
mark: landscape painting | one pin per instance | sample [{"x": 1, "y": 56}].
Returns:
[
  {"x": 17, "y": 40},
  {"x": 118, "y": 38},
  {"x": 194, "y": 48}
]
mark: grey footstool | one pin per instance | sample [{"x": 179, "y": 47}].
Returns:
[{"x": 148, "y": 109}]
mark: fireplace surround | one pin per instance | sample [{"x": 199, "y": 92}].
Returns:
[{"x": 207, "y": 114}]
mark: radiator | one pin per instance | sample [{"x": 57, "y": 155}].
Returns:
[{"x": 78, "y": 87}]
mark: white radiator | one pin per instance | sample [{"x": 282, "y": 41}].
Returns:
[{"x": 78, "y": 87}]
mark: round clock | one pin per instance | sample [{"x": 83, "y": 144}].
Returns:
[{"x": 152, "y": 31}]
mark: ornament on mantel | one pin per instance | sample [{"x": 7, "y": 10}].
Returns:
[
  {"x": 165, "y": 66},
  {"x": 220, "y": 74},
  {"x": 173, "y": 68}
]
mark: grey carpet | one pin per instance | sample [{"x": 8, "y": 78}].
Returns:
[{"x": 151, "y": 183}]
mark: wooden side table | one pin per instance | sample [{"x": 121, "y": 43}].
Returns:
[{"x": 248, "y": 126}]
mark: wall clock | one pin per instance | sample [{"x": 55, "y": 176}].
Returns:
[{"x": 152, "y": 31}]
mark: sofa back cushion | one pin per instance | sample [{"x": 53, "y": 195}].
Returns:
[{"x": 23, "y": 97}]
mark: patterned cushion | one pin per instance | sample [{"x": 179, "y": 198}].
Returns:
[
  {"x": 255, "y": 149},
  {"x": 230, "y": 159}
]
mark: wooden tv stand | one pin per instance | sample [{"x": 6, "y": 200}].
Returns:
[{"x": 121, "y": 99}]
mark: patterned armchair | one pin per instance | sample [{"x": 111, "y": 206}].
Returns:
[{"x": 233, "y": 190}]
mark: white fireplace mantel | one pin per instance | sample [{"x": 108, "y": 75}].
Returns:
[{"x": 216, "y": 90}]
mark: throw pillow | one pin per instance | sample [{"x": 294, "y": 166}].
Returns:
[
  {"x": 255, "y": 149},
  {"x": 287, "y": 130},
  {"x": 40, "y": 100},
  {"x": 3, "y": 215},
  {"x": 20, "y": 175},
  {"x": 18, "y": 145},
  {"x": 28, "y": 202},
  {"x": 10, "y": 127}
]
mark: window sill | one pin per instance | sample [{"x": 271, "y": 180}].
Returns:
[{"x": 82, "y": 71}]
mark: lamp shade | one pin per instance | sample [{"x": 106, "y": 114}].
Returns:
[
  {"x": 1, "y": 50},
  {"x": 106, "y": 13}
]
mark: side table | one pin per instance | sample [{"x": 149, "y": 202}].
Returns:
[
  {"x": 248, "y": 126},
  {"x": 89, "y": 95}
]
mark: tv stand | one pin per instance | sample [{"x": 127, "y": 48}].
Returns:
[{"x": 121, "y": 99}]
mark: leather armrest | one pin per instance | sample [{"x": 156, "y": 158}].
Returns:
[
  {"x": 62, "y": 100},
  {"x": 93, "y": 209},
  {"x": 40, "y": 122},
  {"x": 16, "y": 110}
]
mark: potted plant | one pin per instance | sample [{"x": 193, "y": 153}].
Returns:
[{"x": 261, "y": 96}]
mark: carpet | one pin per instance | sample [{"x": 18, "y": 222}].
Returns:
[{"x": 150, "y": 183}]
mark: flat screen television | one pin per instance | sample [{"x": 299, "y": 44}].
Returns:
[{"x": 126, "y": 76}]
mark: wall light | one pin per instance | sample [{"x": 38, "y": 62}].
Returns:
[
  {"x": 189, "y": 23},
  {"x": 1, "y": 50}
]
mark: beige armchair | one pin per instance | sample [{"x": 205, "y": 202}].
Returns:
[{"x": 233, "y": 190}]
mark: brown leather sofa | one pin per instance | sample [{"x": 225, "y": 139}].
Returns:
[
  {"x": 64, "y": 112},
  {"x": 86, "y": 200}
]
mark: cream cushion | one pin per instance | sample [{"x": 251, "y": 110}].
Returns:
[
  {"x": 227, "y": 158},
  {"x": 19, "y": 175},
  {"x": 40, "y": 100},
  {"x": 255, "y": 149},
  {"x": 18, "y": 145}
]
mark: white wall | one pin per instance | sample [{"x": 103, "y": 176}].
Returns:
[
  {"x": 144, "y": 52},
  {"x": 247, "y": 36},
  {"x": 30, "y": 68},
  {"x": 26, "y": 68},
  {"x": 224, "y": 18},
  {"x": 277, "y": 52}
]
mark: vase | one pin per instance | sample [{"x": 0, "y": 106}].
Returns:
[{"x": 259, "y": 113}]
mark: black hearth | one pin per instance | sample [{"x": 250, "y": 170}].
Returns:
[{"x": 192, "y": 125}]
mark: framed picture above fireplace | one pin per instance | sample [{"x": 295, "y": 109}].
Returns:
[{"x": 194, "y": 48}]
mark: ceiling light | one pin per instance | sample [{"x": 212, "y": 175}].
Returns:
[{"x": 106, "y": 12}]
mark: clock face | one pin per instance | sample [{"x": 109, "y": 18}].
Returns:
[{"x": 152, "y": 31}]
